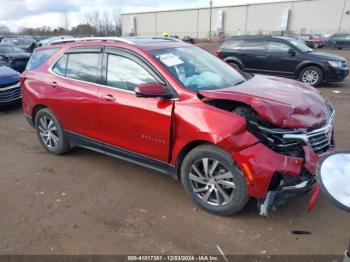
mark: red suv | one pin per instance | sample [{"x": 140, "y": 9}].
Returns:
[{"x": 178, "y": 109}]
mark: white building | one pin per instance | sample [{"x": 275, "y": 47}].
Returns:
[{"x": 297, "y": 16}]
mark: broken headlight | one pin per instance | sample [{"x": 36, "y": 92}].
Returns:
[{"x": 273, "y": 138}]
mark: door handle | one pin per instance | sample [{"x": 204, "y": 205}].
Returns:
[
  {"x": 54, "y": 84},
  {"x": 108, "y": 97}
]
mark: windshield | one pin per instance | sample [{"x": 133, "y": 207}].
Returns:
[
  {"x": 197, "y": 69},
  {"x": 301, "y": 46},
  {"x": 5, "y": 49}
]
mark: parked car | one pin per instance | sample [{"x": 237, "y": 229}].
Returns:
[
  {"x": 306, "y": 40},
  {"x": 50, "y": 40},
  {"x": 13, "y": 57},
  {"x": 320, "y": 40},
  {"x": 283, "y": 56},
  {"x": 339, "y": 41},
  {"x": 10, "y": 88},
  {"x": 176, "y": 108},
  {"x": 27, "y": 44},
  {"x": 188, "y": 39}
]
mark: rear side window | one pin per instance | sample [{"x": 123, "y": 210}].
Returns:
[
  {"x": 40, "y": 57},
  {"x": 258, "y": 47},
  {"x": 232, "y": 44},
  {"x": 80, "y": 66}
]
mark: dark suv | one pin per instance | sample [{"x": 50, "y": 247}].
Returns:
[{"x": 283, "y": 56}]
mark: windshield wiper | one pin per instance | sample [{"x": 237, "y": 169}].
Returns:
[{"x": 240, "y": 82}]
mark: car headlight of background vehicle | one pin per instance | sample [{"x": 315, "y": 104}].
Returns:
[{"x": 335, "y": 63}]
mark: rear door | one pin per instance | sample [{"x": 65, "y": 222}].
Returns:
[
  {"x": 281, "y": 60},
  {"x": 139, "y": 125},
  {"x": 253, "y": 54},
  {"x": 74, "y": 91}
]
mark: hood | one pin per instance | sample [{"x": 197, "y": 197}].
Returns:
[
  {"x": 282, "y": 102},
  {"x": 326, "y": 56},
  {"x": 8, "y": 75}
]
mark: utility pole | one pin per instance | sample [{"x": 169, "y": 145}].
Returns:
[{"x": 211, "y": 12}]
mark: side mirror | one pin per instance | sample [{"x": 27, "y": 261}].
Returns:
[
  {"x": 333, "y": 175},
  {"x": 292, "y": 52},
  {"x": 152, "y": 90}
]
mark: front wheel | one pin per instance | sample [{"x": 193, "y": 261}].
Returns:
[
  {"x": 311, "y": 75},
  {"x": 213, "y": 180}
]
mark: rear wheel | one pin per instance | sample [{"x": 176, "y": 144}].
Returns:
[
  {"x": 311, "y": 75},
  {"x": 50, "y": 133},
  {"x": 213, "y": 181},
  {"x": 235, "y": 65}
]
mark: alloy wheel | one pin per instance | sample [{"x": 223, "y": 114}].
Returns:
[
  {"x": 310, "y": 77},
  {"x": 48, "y": 132},
  {"x": 212, "y": 182}
]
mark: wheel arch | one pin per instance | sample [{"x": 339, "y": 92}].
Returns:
[
  {"x": 234, "y": 60},
  {"x": 35, "y": 110},
  {"x": 304, "y": 65},
  {"x": 184, "y": 151}
]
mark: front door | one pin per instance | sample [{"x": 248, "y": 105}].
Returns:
[
  {"x": 283, "y": 59},
  {"x": 139, "y": 125}
]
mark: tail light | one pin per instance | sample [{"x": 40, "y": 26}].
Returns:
[{"x": 217, "y": 53}]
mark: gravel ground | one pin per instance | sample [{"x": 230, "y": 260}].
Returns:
[{"x": 87, "y": 203}]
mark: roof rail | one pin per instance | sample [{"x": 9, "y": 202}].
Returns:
[{"x": 86, "y": 39}]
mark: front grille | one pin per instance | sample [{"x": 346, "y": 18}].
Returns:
[
  {"x": 10, "y": 93},
  {"x": 321, "y": 140},
  {"x": 319, "y": 137},
  {"x": 344, "y": 64},
  {"x": 3, "y": 86}
]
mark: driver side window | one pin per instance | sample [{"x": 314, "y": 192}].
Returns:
[
  {"x": 278, "y": 48},
  {"x": 126, "y": 74}
]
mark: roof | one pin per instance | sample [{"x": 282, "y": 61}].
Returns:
[{"x": 147, "y": 43}]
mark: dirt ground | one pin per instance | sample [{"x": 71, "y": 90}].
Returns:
[{"x": 87, "y": 203}]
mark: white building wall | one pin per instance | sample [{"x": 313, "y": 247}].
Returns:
[
  {"x": 317, "y": 16},
  {"x": 265, "y": 18},
  {"x": 306, "y": 16}
]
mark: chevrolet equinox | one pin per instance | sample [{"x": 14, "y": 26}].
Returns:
[{"x": 173, "y": 107}]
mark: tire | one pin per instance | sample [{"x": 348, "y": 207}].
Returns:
[
  {"x": 209, "y": 186},
  {"x": 311, "y": 75},
  {"x": 47, "y": 126},
  {"x": 235, "y": 65}
]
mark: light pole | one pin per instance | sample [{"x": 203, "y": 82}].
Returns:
[{"x": 211, "y": 11}]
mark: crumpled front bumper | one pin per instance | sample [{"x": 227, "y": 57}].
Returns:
[
  {"x": 296, "y": 176},
  {"x": 285, "y": 194}
]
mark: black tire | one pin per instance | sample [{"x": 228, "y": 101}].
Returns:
[
  {"x": 238, "y": 196},
  {"x": 235, "y": 65},
  {"x": 308, "y": 70},
  {"x": 339, "y": 48},
  {"x": 59, "y": 146}
]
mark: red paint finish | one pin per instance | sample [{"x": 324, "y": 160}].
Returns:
[
  {"x": 162, "y": 129},
  {"x": 314, "y": 196}
]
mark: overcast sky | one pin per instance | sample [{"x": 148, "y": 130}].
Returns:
[{"x": 37, "y": 13}]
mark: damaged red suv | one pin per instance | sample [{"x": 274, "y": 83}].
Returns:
[{"x": 173, "y": 107}]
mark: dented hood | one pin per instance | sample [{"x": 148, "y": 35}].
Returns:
[{"x": 280, "y": 101}]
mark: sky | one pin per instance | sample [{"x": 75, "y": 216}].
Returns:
[{"x": 37, "y": 13}]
